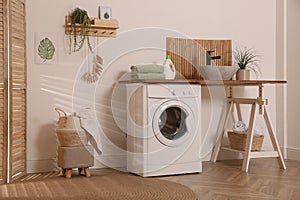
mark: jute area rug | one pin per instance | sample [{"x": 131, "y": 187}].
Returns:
[{"x": 100, "y": 187}]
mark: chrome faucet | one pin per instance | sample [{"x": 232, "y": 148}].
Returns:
[{"x": 209, "y": 57}]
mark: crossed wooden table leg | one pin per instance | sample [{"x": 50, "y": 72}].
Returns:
[{"x": 248, "y": 154}]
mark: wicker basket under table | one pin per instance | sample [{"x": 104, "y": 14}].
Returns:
[{"x": 238, "y": 141}]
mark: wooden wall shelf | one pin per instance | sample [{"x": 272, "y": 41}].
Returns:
[{"x": 98, "y": 28}]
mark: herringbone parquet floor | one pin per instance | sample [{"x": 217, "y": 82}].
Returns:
[{"x": 224, "y": 180}]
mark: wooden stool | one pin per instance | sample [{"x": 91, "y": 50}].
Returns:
[{"x": 80, "y": 157}]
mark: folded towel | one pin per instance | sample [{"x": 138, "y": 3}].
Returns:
[
  {"x": 151, "y": 68},
  {"x": 240, "y": 127},
  {"x": 147, "y": 76}
]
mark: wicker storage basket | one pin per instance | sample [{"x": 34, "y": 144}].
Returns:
[
  {"x": 70, "y": 138},
  {"x": 238, "y": 141},
  {"x": 68, "y": 131}
]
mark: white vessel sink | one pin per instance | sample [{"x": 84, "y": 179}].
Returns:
[{"x": 210, "y": 72}]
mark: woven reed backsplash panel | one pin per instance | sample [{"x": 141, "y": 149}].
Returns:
[{"x": 187, "y": 53}]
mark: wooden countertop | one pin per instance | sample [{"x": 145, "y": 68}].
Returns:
[{"x": 207, "y": 82}]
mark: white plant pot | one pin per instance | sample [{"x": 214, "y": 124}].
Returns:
[{"x": 243, "y": 74}]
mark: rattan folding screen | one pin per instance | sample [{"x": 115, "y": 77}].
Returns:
[{"x": 12, "y": 90}]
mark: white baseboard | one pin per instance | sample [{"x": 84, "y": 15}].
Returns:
[
  {"x": 105, "y": 161},
  {"x": 293, "y": 153}
]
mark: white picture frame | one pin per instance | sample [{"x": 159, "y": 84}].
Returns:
[{"x": 105, "y": 13}]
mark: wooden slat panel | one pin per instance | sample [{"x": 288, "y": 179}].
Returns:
[
  {"x": 17, "y": 155},
  {"x": 20, "y": 36},
  {"x": 19, "y": 133},
  {"x": 16, "y": 18},
  {"x": 18, "y": 170},
  {"x": 18, "y": 147},
  {"x": 187, "y": 53},
  {"x": 16, "y": 150},
  {"x": 18, "y": 114},
  {"x": 18, "y": 136},
  {"x": 18, "y": 67},
  {"x": 2, "y": 96},
  {"x": 18, "y": 124},
  {"x": 19, "y": 160},
  {"x": 17, "y": 8},
  {"x": 18, "y": 167},
  {"x": 1, "y": 44},
  {"x": 19, "y": 85},
  {"x": 19, "y": 130},
  {"x": 18, "y": 42},
  {"x": 18, "y": 80}
]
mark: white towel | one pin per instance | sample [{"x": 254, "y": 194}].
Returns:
[
  {"x": 240, "y": 127},
  {"x": 258, "y": 130},
  {"x": 88, "y": 122}
]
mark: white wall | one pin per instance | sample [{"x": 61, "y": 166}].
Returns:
[
  {"x": 251, "y": 23},
  {"x": 281, "y": 75},
  {"x": 293, "y": 72}
]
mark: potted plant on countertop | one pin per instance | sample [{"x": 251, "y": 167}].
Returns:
[
  {"x": 247, "y": 60},
  {"x": 79, "y": 16}
]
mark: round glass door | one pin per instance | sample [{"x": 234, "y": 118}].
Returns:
[
  {"x": 171, "y": 121},
  {"x": 172, "y": 124}
]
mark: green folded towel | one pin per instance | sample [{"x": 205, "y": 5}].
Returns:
[
  {"x": 147, "y": 76},
  {"x": 151, "y": 68}
]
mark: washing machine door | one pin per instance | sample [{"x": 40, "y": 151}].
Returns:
[{"x": 173, "y": 123}]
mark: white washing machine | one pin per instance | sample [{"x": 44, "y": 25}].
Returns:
[{"x": 163, "y": 129}]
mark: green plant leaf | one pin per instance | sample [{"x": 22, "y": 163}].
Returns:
[
  {"x": 106, "y": 15},
  {"x": 46, "y": 49},
  {"x": 79, "y": 16},
  {"x": 247, "y": 59}
]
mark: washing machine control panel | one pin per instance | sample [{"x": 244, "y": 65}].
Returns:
[
  {"x": 183, "y": 92},
  {"x": 173, "y": 90}
]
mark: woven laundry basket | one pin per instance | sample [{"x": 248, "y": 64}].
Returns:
[
  {"x": 238, "y": 141},
  {"x": 71, "y": 138},
  {"x": 68, "y": 131}
]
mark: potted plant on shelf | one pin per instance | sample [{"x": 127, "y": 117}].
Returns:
[
  {"x": 247, "y": 60},
  {"x": 79, "y": 16}
]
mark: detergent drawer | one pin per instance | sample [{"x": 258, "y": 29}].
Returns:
[{"x": 172, "y": 90}]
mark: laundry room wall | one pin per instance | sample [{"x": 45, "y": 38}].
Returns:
[
  {"x": 293, "y": 72},
  {"x": 250, "y": 23}
]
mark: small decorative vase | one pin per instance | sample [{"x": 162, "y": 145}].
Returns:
[{"x": 243, "y": 74}]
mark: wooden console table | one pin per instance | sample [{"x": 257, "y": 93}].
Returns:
[
  {"x": 231, "y": 101},
  {"x": 261, "y": 103}
]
